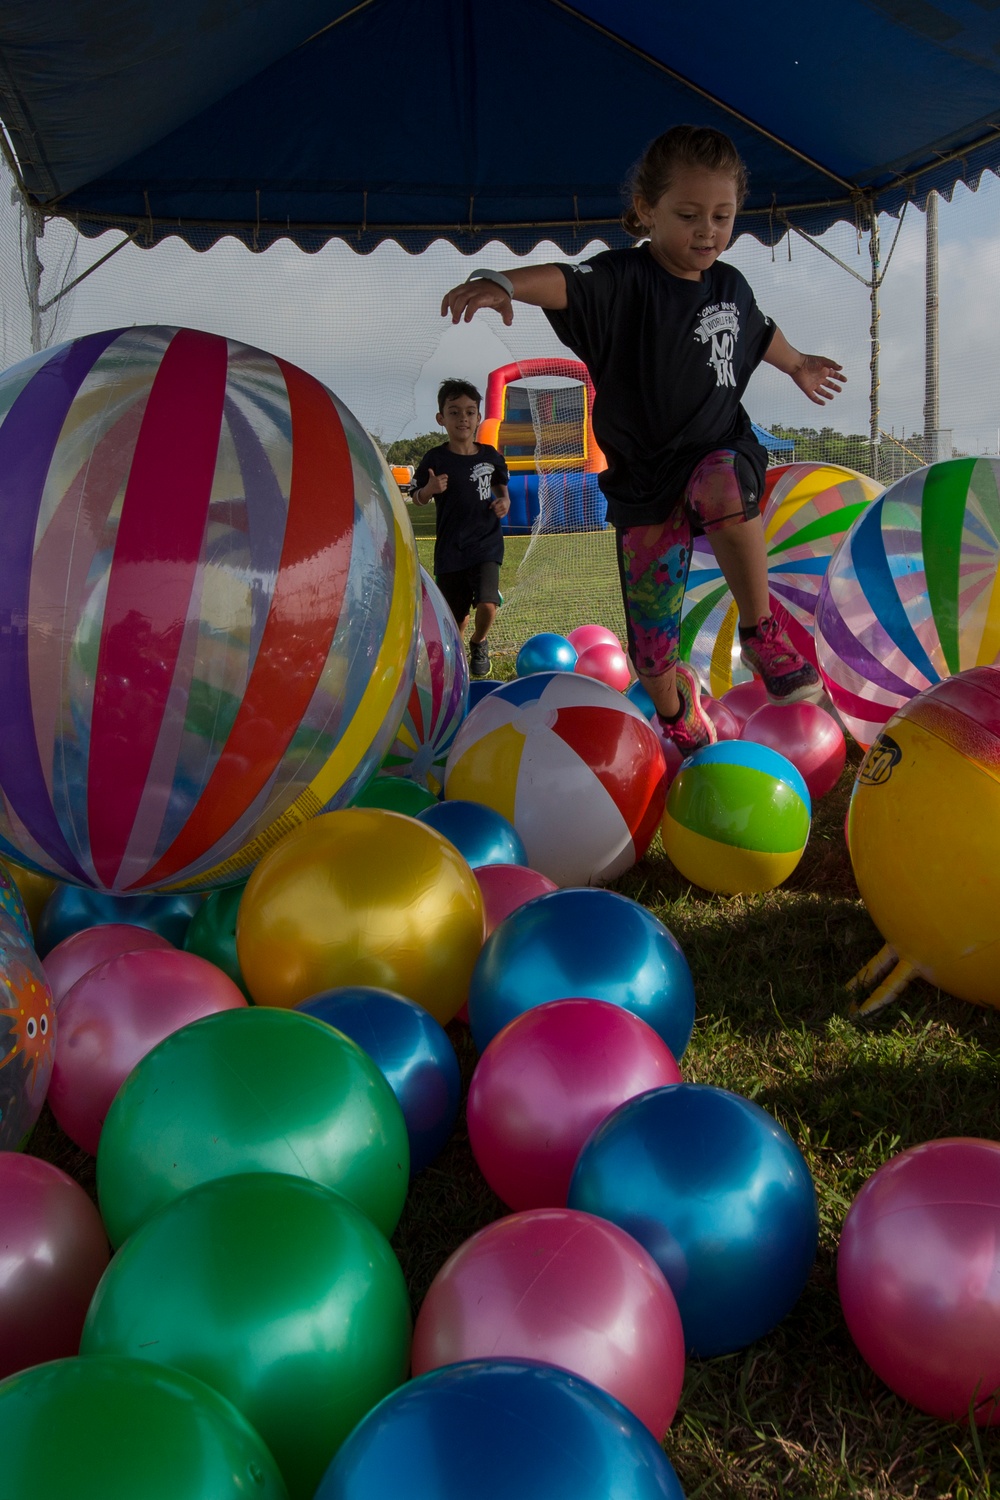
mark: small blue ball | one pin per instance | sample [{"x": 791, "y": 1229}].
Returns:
[
  {"x": 413, "y": 1052},
  {"x": 496, "y": 1429},
  {"x": 71, "y": 908},
  {"x": 638, "y": 695},
  {"x": 720, "y": 1196},
  {"x": 545, "y": 652},
  {"x": 585, "y": 942},
  {"x": 481, "y": 836}
]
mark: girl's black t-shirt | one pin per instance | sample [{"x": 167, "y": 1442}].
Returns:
[
  {"x": 670, "y": 360},
  {"x": 468, "y": 528}
]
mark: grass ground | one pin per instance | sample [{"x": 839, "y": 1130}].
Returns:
[{"x": 798, "y": 1414}]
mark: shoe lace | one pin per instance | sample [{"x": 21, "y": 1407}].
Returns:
[{"x": 771, "y": 629}]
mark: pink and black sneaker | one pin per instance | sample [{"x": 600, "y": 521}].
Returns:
[
  {"x": 770, "y": 655},
  {"x": 692, "y": 729}
]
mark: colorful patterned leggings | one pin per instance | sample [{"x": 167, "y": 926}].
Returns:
[{"x": 653, "y": 561}]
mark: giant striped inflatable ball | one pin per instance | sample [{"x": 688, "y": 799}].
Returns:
[
  {"x": 912, "y": 593},
  {"x": 737, "y": 818},
  {"x": 806, "y": 510},
  {"x": 572, "y": 764},
  {"x": 210, "y": 605},
  {"x": 438, "y": 698}
]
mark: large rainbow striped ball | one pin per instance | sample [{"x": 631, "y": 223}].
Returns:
[
  {"x": 806, "y": 510},
  {"x": 572, "y": 764},
  {"x": 924, "y": 834},
  {"x": 209, "y": 589},
  {"x": 438, "y": 699},
  {"x": 912, "y": 594},
  {"x": 737, "y": 818}
]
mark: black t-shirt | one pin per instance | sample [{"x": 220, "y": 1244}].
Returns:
[
  {"x": 468, "y": 528},
  {"x": 670, "y": 360}
]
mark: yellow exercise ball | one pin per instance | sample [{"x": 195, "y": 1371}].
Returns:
[
  {"x": 361, "y": 896},
  {"x": 924, "y": 836}
]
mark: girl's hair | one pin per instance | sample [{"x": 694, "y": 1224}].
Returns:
[{"x": 683, "y": 146}]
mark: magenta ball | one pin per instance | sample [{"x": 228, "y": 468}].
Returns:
[
  {"x": 585, "y": 636},
  {"x": 82, "y": 951},
  {"x": 607, "y": 663},
  {"x": 918, "y": 1273},
  {"x": 545, "y": 1082},
  {"x": 55, "y": 1251},
  {"x": 745, "y": 698},
  {"x": 671, "y": 755},
  {"x": 806, "y": 735},
  {"x": 566, "y": 1288},
  {"x": 506, "y": 887},
  {"x": 727, "y": 724},
  {"x": 115, "y": 1014}
]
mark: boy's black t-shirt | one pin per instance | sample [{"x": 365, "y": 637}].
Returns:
[
  {"x": 468, "y": 528},
  {"x": 670, "y": 360}
]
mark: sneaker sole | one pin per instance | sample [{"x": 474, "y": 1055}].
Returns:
[
  {"x": 813, "y": 692},
  {"x": 694, "y": 687}
]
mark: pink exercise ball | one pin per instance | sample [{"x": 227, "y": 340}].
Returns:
[
  {"x": 506, "y": 887},
  {"x": 82, "y": 951},
  {"x": 671, "y": 755},
  {"x": 745, "y": 698},
  {"x": 545, "y": 1082},
  {"x": 115, "y": 1014},
  {"x": 918, "y": 1273},
  {"x": 55, "y": 1251},
  {"x": 566, "y": 1288},
  {"x": 806, "y": 735},
  {"x": 606, "y": 663},
  {"x": 727, "y": 724},
  {"x": 585, "y": 636}
]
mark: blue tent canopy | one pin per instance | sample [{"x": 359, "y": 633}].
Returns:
[
  {"x": 415, "y": 120},
  {"x": 770, "y": 442}
]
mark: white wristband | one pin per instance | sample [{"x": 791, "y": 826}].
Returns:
[{"x": 497, "y": 276}]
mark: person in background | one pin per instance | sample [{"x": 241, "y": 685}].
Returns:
[{"x": 468, "y": 483}]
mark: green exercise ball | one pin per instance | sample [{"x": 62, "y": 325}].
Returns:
[
  {"x": 212, "y": 933},
  {"x": 278, "y": 1091},
  {"x": 124, "y": 1429},
  {"x": 395, "y": 794},
  {"x": 276, "y": 1292}
]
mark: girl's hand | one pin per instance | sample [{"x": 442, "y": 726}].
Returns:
[
  {"x": 820, "y": 378},
  {"x": 463, "y": 302}
]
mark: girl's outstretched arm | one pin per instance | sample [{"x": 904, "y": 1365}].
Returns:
[
  {"x": 542, "y": 286},
  {"x": 819, "y": 377}
]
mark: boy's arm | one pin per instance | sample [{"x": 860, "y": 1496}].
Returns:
[
  {"x": 541, "y": 286},
  {"x": 501, "y": 500},
  {"x": 435, "y": 484},
  {"x": 817, "y": 376}
]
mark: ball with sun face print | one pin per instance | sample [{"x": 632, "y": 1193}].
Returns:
[{"x": 27, "y": 1036}]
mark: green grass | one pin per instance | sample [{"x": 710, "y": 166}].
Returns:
[{"x": 798, "y": 1414}]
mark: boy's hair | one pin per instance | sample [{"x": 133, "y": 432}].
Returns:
[
  {"x": 683, "y": 146},
  {"x": 452, "y": 388}
]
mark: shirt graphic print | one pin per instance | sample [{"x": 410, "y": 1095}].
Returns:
[{"x": 719, "y": 328}]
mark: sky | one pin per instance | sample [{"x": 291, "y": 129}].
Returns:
[{"x": 369, "y": 326}]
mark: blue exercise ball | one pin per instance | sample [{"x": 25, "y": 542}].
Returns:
[
  {"x": 545, "y": 652},
  {"x": 481, "y": 836},
  {"x": 587, "y": 943},
  {"x": 71, "y": 908},
  {"x": 637, "y": 694},
  {"x": 497, "y": 1429},
  {"x": 413, "y": 1052},
  {"x": 720, "y": 1196}
]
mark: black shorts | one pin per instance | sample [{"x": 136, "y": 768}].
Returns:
[{"x": 479, "y": 584}]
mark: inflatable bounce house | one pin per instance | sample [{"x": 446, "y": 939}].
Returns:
[
  {"x": 545, "y": 435},
  {"x": 547, "y": 438}
]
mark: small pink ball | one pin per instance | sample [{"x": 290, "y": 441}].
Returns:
[
  {"x": 546, "y": 1081},
  {"x": 606, "y": 663},
  {"x": 592, "y": 635},
  {"x": 115, "y": 1014},
  {"x": 506, "y": 887},
  {"x": 727, "y": 724},
  {"x": 566, "y": 1288},
  {"x": 743, "y": 699},
  {"x": 82, "y": 951}
]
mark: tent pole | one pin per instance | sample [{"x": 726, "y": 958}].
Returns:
[
  {"x": 873, "y": 333},
  {"x": 932, "y": 389},
  {"x": 32, "y": 266}
]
